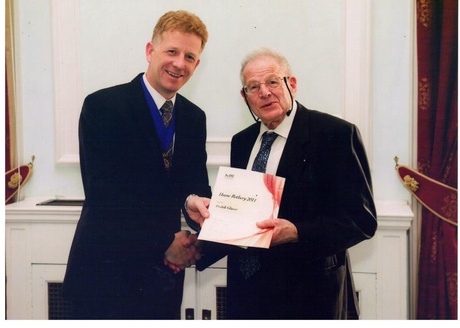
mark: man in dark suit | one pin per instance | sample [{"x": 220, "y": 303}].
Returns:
[
  {"x": 137, "y": 171},
  {"x": 327, "y": 204}
]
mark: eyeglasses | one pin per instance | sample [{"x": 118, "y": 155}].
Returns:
[{"x": 272, "y": 82}]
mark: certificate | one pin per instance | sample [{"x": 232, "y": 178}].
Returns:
[{"x": 240, "y": 199}]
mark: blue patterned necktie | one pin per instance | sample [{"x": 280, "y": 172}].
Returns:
[
  {"x": 260, "y": 162},
  {"x": 249, "y": 260},
  {"x": 166, "y": 115}
]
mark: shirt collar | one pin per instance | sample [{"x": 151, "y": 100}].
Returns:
[
  {"x": 285, "y": 126},
  {"x": 157, "y": 97}
]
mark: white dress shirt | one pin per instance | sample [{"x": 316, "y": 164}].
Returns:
[
  {"x": 157, "y": 98},
  {"x": 278, "y": 145}
]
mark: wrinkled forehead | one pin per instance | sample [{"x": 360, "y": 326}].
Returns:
[{"x": 261, "y": 67}]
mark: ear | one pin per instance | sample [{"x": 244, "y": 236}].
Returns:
[
  {"x": 293, "y": 85},
  {"x": 245, "y": 97},
  {"x": 197, "y": 63},
  {"x": 149, "y": 48}
]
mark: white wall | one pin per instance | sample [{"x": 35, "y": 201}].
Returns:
[
  {"x": 393, "y": 105},
  {"x": 316, "y": 36}
]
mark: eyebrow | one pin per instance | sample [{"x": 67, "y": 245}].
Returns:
[{"x": 268, "y": 76}]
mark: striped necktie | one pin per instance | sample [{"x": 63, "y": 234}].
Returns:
[
  {"x": 166, "y": 115},
  {"x": 166, "y": 112}
]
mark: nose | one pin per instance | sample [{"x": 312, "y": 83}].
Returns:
[
  {"x": 179, "y": 62},
  {"x": 264, "y": 91}
]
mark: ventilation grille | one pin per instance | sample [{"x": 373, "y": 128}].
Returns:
[
  {"x": 221, "y": 303},
  {"x": 58, "y": 308}
]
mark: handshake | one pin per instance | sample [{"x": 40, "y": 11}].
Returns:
[
  {"x": 183, "y": 252},
  {"x": 185, "y": 249}
]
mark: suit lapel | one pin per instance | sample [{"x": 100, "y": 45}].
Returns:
[
  {"x": 181, "y": 121},
  {"x": 242, "y": 147},
  {"x": 143, "y": 119},
  {"x": 292, "y": 160}
]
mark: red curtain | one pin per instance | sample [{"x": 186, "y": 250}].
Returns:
[{"x": 437, "y": 44}]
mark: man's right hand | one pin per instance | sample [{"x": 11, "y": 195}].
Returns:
[{"x": 183, "y": 252}]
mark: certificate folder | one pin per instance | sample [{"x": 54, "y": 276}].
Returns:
[{"x": 240, "y": 199}]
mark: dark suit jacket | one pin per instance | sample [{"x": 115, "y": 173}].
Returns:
[
  {"x": 132, "y": 207},
  {"x": 328, "y": 196}
]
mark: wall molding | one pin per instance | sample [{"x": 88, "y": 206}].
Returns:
[
  {"x": 65, "y": 18},
  {"x": 68, "y": 95},
  {"x": 357, "y": 68},
  {"x": 67, "y": 78},
  {"x": 218, "y": 150}
]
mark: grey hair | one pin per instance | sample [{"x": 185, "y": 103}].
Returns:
[{"x": 265, "y": 52}]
